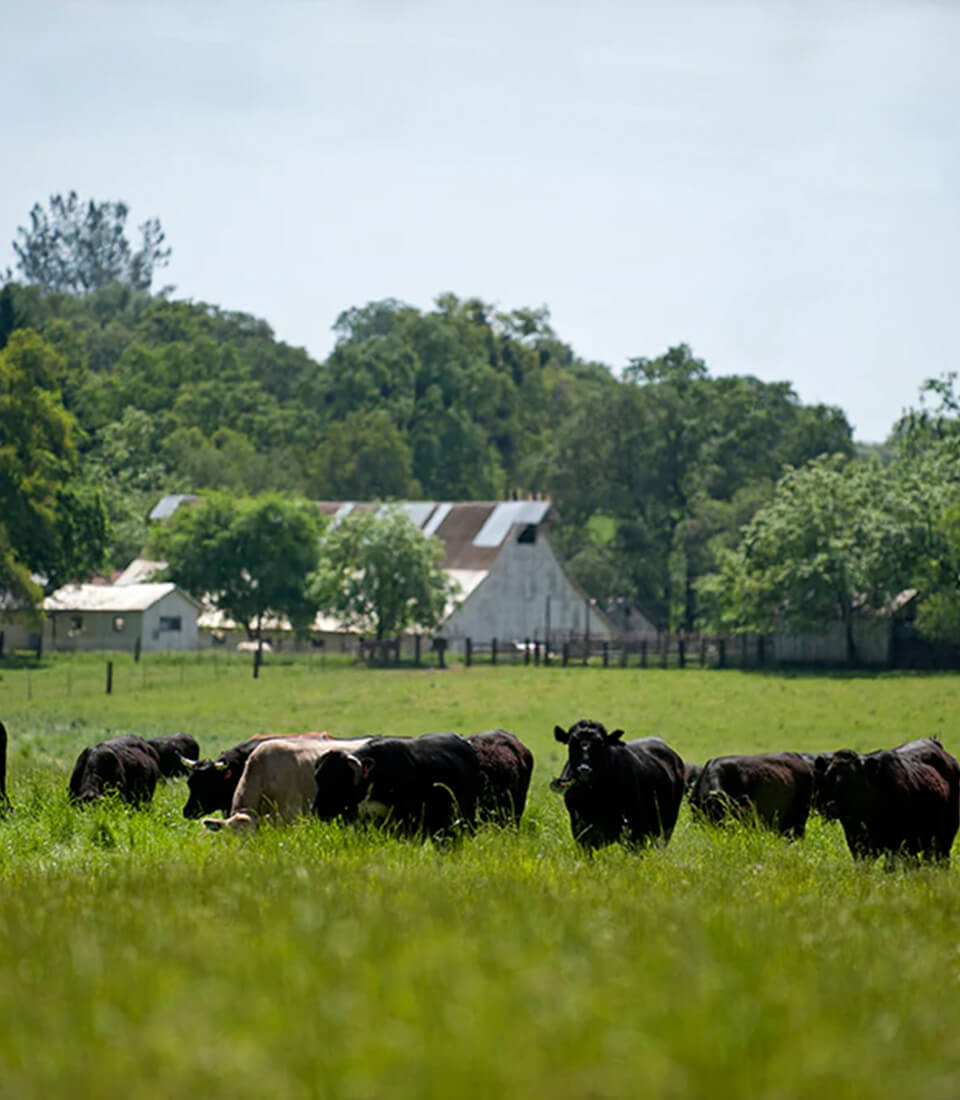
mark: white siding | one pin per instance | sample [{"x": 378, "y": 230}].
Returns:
[
  {"x": 156, "y": 620},
  {"x": 511, "y": 604}
]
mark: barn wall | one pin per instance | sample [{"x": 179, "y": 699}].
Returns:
[{"x": 510, "y": 604}]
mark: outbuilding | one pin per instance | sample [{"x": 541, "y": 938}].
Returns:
[{"x": 158, "y": 616}]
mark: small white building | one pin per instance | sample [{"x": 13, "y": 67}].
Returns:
[{"x": 160, "y": 616}]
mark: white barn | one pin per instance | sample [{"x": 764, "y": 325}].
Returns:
[
  {"x": 512, "y": 584},
  {"x": 160, "y": 616}
]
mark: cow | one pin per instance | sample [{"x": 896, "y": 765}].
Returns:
[
  {"x": 419, "y": 786},
  {"x": 615, "y": 791},
  {"x": 4, "y": 801},
  {"x": 278, "y": 781},
  {"x": 506, "y": 765},
  {"x": 900, "y": 803},
  {"x": 775, "y": 788},
  {"x": 211, "y": 783},
  {"x": 171, "y": 752},
  {"x": 126, "y": 766},
  {"x": 691, "y": 773}
]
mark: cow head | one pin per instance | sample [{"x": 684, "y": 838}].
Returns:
[
  {"x": 210, "y": 784},
  {"x": 588, "y": 744},
  {"x": 341, "y": 783},
  {"x": 845, "y": 781}
]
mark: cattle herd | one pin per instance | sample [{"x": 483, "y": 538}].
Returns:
[{"x": 902, "y": 803}]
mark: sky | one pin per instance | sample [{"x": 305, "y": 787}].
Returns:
[{"x": 775, "y": 183}]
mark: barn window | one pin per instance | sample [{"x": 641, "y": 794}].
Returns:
[
  {"x": 119, "y": 622},
  {"x": 170, "y": 623},
  {"x": 76, "y": 622},
  {"x": 528, "y": 534}
]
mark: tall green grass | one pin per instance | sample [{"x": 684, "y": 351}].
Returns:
[{"x": 141, "y": 956}]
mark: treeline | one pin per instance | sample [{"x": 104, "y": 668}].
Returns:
[{"x": 663, "y": 477}]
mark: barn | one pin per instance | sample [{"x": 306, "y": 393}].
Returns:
[
  {"x": 159, "y": 616},
  {"x": 512, "y": 583}
]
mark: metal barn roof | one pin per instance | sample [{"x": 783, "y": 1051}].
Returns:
[{"x": 110, "y": 597}]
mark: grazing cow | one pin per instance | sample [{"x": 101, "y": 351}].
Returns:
[
  {"x": 896, "y": 802},
  {"x": 615, "y": 791},
  {"x": 418, "y": 785},
  {"x": 776, "y": 787},
  {"x": 211, "y": 783},
  {"x": 506, "y": 765},
  {"x": 171, "y": 752},
  {"x": 126, "y": 766},
  {"x": 4, "y": 801},
  {"x": 278, "y": 781}
]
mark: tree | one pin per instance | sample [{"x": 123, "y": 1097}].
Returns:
[
  {"x": 76, "y": 248},
  {"x": 837, "y": 539},
  {"x": 378, "y": 572},
  {"x": 364, "y": 457},
  {"x": 53, "y": 526},
  {"x": 249, "y": 557}
]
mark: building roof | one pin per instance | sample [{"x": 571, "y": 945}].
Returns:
[
  {"x": 111, "y": 597},
  {"x": 472, "y": 532},
  {"x": 167, "y": 505}
]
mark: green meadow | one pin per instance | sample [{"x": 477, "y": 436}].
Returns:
[{"x": 143, "y": 957}]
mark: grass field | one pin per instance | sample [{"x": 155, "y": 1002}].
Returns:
[{"x": 143, "y": 957}]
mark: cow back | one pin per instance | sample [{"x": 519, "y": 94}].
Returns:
[
  {"x": 506, "y": 765},
  {"x": 776, "y": 788}
]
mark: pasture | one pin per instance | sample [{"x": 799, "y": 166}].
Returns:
[{"x": 144, "y": 957}]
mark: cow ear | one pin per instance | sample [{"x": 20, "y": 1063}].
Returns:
[
  {"x": 613, "y": 737},
  {"x": 561, "y": 734}
]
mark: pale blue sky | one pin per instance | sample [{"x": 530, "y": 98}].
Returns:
[{"x": 775, "y": 182}]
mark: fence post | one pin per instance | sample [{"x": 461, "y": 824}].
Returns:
[
  {"x": 722, "y": 653},
  {"x": 396, "y": 651},
  {"x": 136, "y": 650},
  {"x": 493, "y": 652},
  {"x": 416, "y": 650},
  {"x": 536, "y": 653},
  {"x": 664, "y": 649},
  {"x": 526, "y": 651},
  {"x": 643, "y": 653},
  {"x": 681, "y": 651},
  {"x": 546, "y": 650},
  {"x": 565, "y": 654},
  {"x": 703, "y": 651},
  {"x": 761, "y": 650},
  {"x": 468, "y": 653},
  {"x": 606, "y": 654},
  {"x": 440, "y": 645},
  {"x": 109, "y": 677},
  {"x": 256, "y": 660}
]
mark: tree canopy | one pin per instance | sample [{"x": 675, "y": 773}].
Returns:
[
  {"x": 380, "y": 574},
  {"x": 249, "y": 557}
]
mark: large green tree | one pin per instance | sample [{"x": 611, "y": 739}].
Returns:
[
  {"x": 380, "y": 574},
  {"x": 54, "y": 526},
  {"x": 247, "y": 557},
  {"x": 839, "y": 538}
]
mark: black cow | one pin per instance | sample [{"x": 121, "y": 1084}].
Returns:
[
  {"x": 691, "y": 773},
  {"x": 417, "y": 785},
  {"x": 615, "y": 791},
  {"x": 126, "y": 766},
  {"x": 896, "y": 802},
  {"x": 172, "y": 752},
  {"x": 775, "y": 787},
  {"x": 506, "y": 765},
  {"x": 211, "y": 783},
  {"x": 4, "y": 801}
]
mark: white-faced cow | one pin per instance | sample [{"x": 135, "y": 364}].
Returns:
[
  {"x": 618, "y": 791},
  {"x": 506, "y": 765},
  {"x": 278, "y": 781},
  {"x": 211, "y": 783},
  {"x": 417, "y": 785},
  {"x": 902, "y": 802},
  {"x": 126, "y": 766},
  {"x": 773, "y": 788}
]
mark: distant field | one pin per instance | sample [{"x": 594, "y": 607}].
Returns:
[{"x": 143, "y": 957}]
